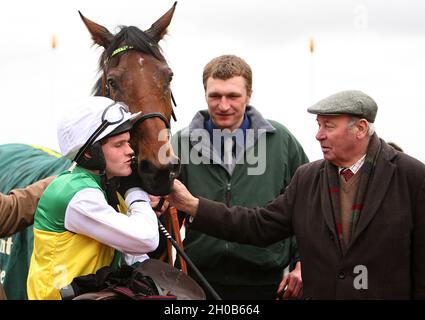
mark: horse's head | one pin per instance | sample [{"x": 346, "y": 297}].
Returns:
[{"x": 133, "y": 70}]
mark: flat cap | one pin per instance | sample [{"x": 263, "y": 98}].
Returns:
[{"x": 347, "y": 102}]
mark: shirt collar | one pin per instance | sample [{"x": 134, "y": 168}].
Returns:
[
  {"x": 210, "y": 126},
  {"x": 355, "y": 167}
]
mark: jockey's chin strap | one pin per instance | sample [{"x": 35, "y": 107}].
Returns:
[
  {"x": 148, "y": 115},
  {"x": 110, "y": 188}
]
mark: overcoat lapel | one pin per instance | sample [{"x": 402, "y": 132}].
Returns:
[
  {"x": 327, "y": 208},
  {"x": 377, "y": 188}
]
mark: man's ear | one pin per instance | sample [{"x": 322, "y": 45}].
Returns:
[{"x": 362, "y": 128}]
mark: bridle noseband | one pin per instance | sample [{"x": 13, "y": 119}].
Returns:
[
  {"x": 146, "y": 115},
  {"x": 152, "y": 115}
]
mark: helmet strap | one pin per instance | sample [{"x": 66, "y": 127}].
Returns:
[{"x": 96, "y": 160}]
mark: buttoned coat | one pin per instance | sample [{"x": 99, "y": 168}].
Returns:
[{"x": 386, "y": 256}]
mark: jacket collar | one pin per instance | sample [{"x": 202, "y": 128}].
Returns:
[
  {"x": 378, "y": 185},
  {"x": 210, "y": 126},
  {"x": 204, "y": 146},
  {"x": 256, "y": 119},
  {"x": 246, "y": 124}
]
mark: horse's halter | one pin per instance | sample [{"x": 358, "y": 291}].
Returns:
[{"x": 146, "y": 115}]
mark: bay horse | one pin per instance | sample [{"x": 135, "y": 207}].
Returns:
[{"x": 133, "y": 70}]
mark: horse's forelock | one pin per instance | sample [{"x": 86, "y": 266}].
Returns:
[
  {"x": 138, "y": 39},
  {"x": 131, "y": 36}
]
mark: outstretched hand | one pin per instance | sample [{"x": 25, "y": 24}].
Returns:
[{"x": 182, "y": 199}]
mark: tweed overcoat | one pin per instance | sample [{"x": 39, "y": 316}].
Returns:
[{"x": 386, "y": 256}]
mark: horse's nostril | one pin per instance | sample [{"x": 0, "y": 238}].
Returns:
[{"x": 176, "y": 169}]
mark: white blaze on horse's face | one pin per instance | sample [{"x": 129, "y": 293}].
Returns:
[
  {"x": 137, "y": 74},
  {"x": 141, "y": 63}
]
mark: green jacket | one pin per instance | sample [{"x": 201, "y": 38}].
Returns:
[{"x": 278, "y": 155}]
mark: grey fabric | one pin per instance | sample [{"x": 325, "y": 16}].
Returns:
[{"x": 347, "y": 102}]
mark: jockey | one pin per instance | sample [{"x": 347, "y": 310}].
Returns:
[{"x": 77, "y": 229}]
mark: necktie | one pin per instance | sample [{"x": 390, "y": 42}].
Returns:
[
  {"x": 347, "y": 174},
  {"x": 228, "y": 146}
]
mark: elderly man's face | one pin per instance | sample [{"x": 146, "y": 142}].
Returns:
[{"x": 337, "y": 139}]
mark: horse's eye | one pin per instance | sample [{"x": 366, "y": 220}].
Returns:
[
  {"x": 112, "y": 84},
  {"x": 170, "y": 77}
]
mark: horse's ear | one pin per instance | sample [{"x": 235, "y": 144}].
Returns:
[
  {"x": 159, "y": 28},
  {"x": 100, "y": 35}
]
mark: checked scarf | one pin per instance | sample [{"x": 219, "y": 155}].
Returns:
[{"x": 366, "y": 171}]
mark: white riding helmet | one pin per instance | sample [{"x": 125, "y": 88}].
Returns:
[{"x": 93, "y": 119}]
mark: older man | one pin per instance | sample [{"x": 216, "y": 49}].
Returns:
[{"x": 358, "y": 214}]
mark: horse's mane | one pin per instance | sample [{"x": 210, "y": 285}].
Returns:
[{"x": 131, "y": 36}]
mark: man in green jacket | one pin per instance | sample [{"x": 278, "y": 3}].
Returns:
[
  {"x": 230, "y": 153},
  {"x": 358, "y": 214}
]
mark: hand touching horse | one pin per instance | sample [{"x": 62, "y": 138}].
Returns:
[{"x": 133, "y": 70}]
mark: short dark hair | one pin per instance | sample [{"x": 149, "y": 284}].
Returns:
[{"x": 228, "y": 66}]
